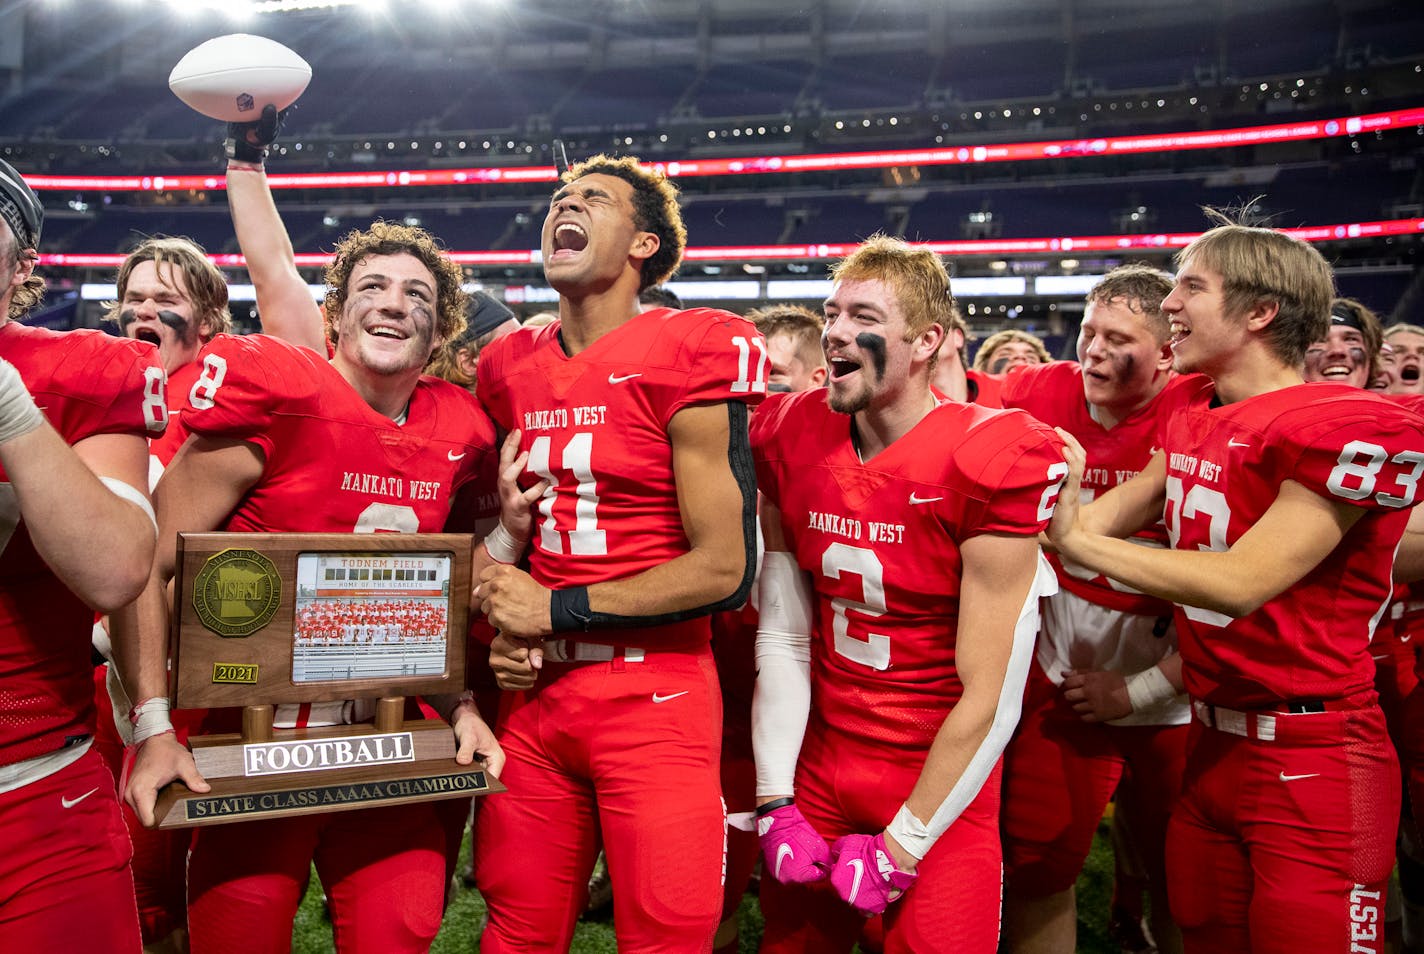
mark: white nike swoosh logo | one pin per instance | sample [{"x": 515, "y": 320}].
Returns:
[
  {"x": 71, "y": 802},
  {"x": 1235, "y": 443},
  {"x": 619, "y": 379},
  {"x": 859, "y": 867},
  {"x": 454, "y": 456},
  {"x": 1292, "y": 778},
  {"x": 782, "y": 854},
  {"x": 658, "y": 698},
  {"x": 921, "y": 500},
  {"x": 1154, "y": 451},
  {"x": 1405, "y": 639}
]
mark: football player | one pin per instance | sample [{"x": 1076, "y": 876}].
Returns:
[
  {"x": 1284, "y": 504},
  {"x": 76, "y": 535},
  {"x": 638, "y": 421},
  {"x": 1100, "y": 640},
  {"x": 898, "y": 601},
  {"x": 1003, "y": 351},
  {"x": 281, "y": 439}
]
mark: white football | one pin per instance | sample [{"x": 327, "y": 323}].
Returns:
[{"x": 230, "y": 78}]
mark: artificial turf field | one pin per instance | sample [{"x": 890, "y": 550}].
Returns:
[{"x": 312, "y": 933}]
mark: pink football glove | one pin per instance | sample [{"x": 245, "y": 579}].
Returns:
[
  {"x": 793, "y": 852},
  {"x": 865, "y": 876}
]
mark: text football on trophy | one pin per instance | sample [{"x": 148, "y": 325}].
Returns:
[{"x": 286, "y": 633}]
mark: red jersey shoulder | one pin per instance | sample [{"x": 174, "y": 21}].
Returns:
[
  {"x": 448, "y": 412},
  {"x": 1002, "y": 448},
  {"x": 784, "y": 428},
  {"x": 1043, "y": 389},
  {"x": 89, "y": 382},
  {"x": 718, "y": 356},
  {"x": 985, "y": 389},
  {"x": 1346, "y": 444},
  {"x": 245, "y": 379}
]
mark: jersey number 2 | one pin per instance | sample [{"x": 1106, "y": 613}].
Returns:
[{"x": 874, "y": 649}]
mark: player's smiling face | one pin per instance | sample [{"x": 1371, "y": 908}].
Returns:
[
  {"x": 1339, "y": 358},
  {"x": 388, "y": 323},
  {"x": 156, "y": 307},
  {"x": 1203, "y": 335},
  {"x": 864, "y": 340},
  {"x": 589, "y": 235},
  {"x": 1124, "y": 365}
]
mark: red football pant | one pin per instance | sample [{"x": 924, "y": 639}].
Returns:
[
  {"x": 626, "y": 748},
  {"x": 383, "y": 870},
  {"x": 1285, "y": 845},
  {"x": 1059, "y": 773},
  {"x": 64, "y": 864},
  {"x": 846, "y": 785}
]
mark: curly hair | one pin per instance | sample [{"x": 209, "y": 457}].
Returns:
[
  {"x": 207, "y": 289},
  {"x": 29, "y": 294},
  {"x": 393, "y": 238},
  {"x": 655, "y": 210}
]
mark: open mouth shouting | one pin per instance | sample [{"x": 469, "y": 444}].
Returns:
[{"x": 569, "y": 239}]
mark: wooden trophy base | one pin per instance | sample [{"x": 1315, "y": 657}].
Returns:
[{"x": 311, "y": 771}]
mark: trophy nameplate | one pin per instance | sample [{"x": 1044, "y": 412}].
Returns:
[{"x": 265, "y": 619}]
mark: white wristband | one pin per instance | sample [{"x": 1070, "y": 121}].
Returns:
[
  {"x": 150, "y": 718},
  {"x": 912, "y": 834},
  {"x": 1149, "y": 688},
  {"x": 501, "y": 545}
]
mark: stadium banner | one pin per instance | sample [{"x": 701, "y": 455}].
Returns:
[{"x": 314, "y": 636}]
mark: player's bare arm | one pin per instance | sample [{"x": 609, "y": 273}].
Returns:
[
  {"x": 72, "y": 513},
  {"x": 203, "y": 484},
  {"x": 712, "y": 570},
  {"x": 283, "y": 299},
  {"x": 998, "y": 577},
  {"x": 1298, "y": 531}
]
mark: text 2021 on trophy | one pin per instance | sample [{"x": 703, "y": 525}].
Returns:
[{"x": 287, "y": 625}]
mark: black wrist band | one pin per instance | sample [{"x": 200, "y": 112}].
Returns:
[
  {"x": 774, "y": 804},
  {"x": 568, "y": 610}
]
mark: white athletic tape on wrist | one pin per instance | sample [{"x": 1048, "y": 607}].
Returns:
[
  {"x": 1006, "y": 718},
  {"x": 502, "y": 546},
  {"x": 912, "y": 834},
  {"x": 125, "y": 492},
  {"x": 150, "y": 718},
  {"x": 781, "y": 701},
  {"x": 1149, "y": 688},
  {"x": 18, "y": 413}
]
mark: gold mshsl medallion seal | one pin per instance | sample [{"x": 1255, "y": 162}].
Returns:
[{"x": 237, "y": 592}]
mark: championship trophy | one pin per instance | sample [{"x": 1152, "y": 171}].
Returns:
[{"x": 324, "y": 621}]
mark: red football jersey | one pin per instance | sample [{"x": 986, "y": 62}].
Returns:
[
  {"x": 86, "y": 383},
  {"x": 596, "y": 427},
  {"x": 1225, "y": 466},
  {"x": 180, "y": 382},
  {"x": 1053, "y": 393},
  {"x": 985, "y": 389},
  {"x": 332, "y": 463},
  {"x": 881, "y": 542}
]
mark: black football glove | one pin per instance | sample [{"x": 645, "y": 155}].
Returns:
[{"x": 250, "y": 142}]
